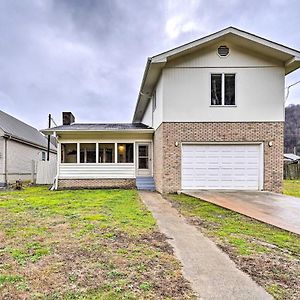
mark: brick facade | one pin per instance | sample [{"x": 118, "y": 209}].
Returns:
[
  {"x": 167, "y": 157},
  {"x": 96, "y": 183}
]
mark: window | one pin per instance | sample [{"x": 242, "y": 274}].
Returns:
[
  {"x": 125, "y": 153},
  {"x": 154, "y": 101},
  {"x": 87, "y": 153},
  {"x": 106, "y": 153},
  {"x": 68, "y": 153},
  {"x": 43, "y": 156},
  {"x": 223, "y": 89}
]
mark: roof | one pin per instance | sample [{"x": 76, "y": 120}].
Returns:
[
  {"x": 99, "y": 127},
  {"x": 291, "y": 156},
  {"x": 20, "y": 131},
  {"x": 290, "y": 57}
]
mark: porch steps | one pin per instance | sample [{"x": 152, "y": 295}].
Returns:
[{"x": 145, "y": 183}]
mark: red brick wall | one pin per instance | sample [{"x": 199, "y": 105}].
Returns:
[{"x": 167, "y": 157}]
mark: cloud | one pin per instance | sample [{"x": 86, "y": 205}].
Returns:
[{"x": 89, "y": 56}]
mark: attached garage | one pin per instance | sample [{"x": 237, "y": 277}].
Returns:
[{"x": 222, "y": 166}]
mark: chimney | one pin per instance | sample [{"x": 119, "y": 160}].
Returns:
[{"x": 68, "y": 118}]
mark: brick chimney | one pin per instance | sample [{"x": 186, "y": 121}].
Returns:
[{"x": 68, "y": 118}]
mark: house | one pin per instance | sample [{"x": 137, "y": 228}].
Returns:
[
  {"x": 291, "y": 158},
  {"x": 209, "y": 115},
  {"x": 21, "y": 147}
]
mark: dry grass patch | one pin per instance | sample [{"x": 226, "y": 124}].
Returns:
[{"x": 100, "y": 244}]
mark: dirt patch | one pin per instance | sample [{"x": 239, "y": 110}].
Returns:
[
  {"x": 80, "y": 255},
  {"x": 274, "y": 268}
]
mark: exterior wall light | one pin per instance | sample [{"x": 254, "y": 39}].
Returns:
[
  {"x": 176, "y": 144},
  {"x": 270, "y": 143}
]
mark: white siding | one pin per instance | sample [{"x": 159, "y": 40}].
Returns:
[
  {"x": 92, "y": 171},
  {"x": 158, "y": 112},
  {"x": 259, "y": 88},
  {"x": 147, "y": 118}
]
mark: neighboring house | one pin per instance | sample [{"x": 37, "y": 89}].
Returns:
[
  {"x": 21, "y": 147},
  {"x": 209, "y": 115},
  {"x": 291, "y": 158}
]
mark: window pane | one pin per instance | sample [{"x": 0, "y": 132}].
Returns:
[
  {"x": 216, "y": 89},
  {"x": 229, "y": 89},
  {"x": 69, "y": 153},
  {"x": 87, "y": 153},
  {"x": 125, "y": 153},
  {"x": 106, "y": 153},
  {"x": 143, "y": 163}
]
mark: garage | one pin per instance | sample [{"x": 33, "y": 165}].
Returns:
[{"x": 222, "y": 166}]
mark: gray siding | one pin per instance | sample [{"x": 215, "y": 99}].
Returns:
[{"x": 21, "y": 161}]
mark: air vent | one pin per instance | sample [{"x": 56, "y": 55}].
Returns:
[{"x": 223, "y": 51}]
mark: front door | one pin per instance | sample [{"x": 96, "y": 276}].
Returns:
[{"x": 144, "y": 159}]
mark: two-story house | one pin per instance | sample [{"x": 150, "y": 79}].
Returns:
[{"x": 209, "y": 115}]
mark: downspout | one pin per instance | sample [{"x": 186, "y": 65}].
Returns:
[
  {"x": 58, "y": 153},
  {"x": 5, "y": 162}
]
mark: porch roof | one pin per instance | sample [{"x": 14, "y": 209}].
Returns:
[{"x": 99, "y": 127}]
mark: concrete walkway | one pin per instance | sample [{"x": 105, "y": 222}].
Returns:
[
  {"x": 276, "y": 209},
  {"x": 211, "y": 272}
]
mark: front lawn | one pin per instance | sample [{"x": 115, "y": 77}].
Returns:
[
  {"x": 291, "y": 187},
  {"x": 100, "y": 244},
  {"x": 269, "y": 255}
]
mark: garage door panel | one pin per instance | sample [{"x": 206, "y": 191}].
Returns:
[{"x": 220, "y": 166}]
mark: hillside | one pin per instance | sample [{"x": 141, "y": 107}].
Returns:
[{"x": 292, "y": 128}]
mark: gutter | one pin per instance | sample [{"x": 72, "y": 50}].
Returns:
[
  {"x": 98, "y": 131},
  {"x": 149, "y": 60},
  {"x": 14, "y": 138}
]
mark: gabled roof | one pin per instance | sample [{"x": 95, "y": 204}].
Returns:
[
  {"x": 96, "y": 127},
  {"x": 290, "y": 58},
  {"x": 22, "y": 132}
]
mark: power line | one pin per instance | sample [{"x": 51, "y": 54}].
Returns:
[{"x": 288, "y": 89}]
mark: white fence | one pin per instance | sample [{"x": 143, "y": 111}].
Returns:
[{"x": 45, "y": 172}]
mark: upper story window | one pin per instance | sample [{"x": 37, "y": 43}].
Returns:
[
  {"x": 223, "y": 89},
  {"x": 43, "y": 156}
]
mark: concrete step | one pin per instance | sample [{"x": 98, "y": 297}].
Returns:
[{"x": 145, "y": 183}]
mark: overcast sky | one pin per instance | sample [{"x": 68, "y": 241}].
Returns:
[{"x": 88, "y": 56}]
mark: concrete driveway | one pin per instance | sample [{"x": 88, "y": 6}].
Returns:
[{"x": 275, "y": 209}]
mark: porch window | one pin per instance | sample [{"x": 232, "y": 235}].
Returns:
[
  {"x": 125, "y": 153},
  {"x": 223, "y": 89},
  {"x": 69, "y": 153},
  {"x": 87, "y": 153},
  {"x": 106, "y": 153}
]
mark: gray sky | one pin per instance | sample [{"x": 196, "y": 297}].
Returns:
[{"x": 88, "y": 56}]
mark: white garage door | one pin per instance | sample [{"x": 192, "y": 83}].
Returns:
[{"x": 221, "y": 167}]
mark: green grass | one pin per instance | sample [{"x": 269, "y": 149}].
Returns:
[
  {"x": 291, "y": 187},
  {"x": 255, "y": 246},
  {"x": 84, "y": 244}
]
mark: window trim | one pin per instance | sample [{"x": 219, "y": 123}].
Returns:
[{"x": 223, "y": 89}]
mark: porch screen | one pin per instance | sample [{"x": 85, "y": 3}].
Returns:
[
  {"x": 106, "y": 153},
  {"x": 125, "y": 153}
]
